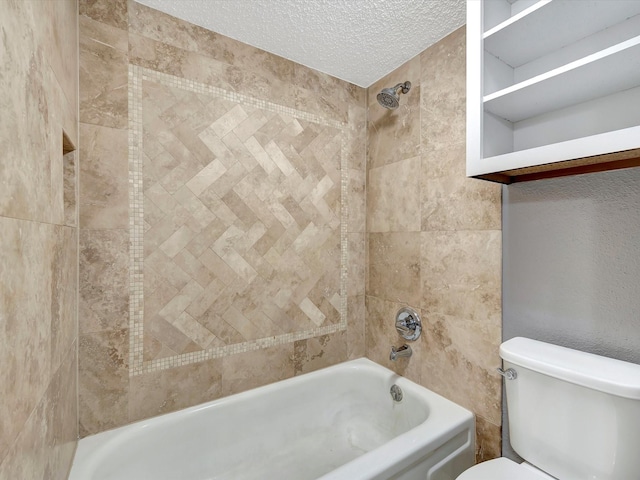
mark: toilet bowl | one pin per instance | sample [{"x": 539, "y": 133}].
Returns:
[{"x": 503, "y": 469}]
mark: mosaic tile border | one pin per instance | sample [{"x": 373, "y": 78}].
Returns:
[{"x": 137, "y": 365}]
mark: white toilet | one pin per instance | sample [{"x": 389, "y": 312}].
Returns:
[{"x": 572, "y": 416}]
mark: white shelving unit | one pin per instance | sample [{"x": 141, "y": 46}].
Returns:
[{"x": 552, "y": 86}]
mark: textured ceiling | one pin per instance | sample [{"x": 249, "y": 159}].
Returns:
[{"x": 356, "y": 40}]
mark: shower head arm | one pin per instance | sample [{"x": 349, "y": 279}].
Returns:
[{"x": 406, "y": 86}]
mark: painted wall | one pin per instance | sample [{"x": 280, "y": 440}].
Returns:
[
  {"x": 572, "y": 263},
  {"x": 434, "y": 239},
  {"x": 221, "y": 213},
  {"x": 38, "y": 244}
]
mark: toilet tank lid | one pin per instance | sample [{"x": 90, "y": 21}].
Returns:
[{"x": 608, "y": 375}]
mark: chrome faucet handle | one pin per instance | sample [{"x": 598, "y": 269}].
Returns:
[{"x": 408, "y": 324}]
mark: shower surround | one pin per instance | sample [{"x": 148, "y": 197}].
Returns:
[
  {"x": 221, "y": 213},
  {"x": 38, "y": 240},
  {"x": 223, "y": 222},
  {"x": 434, "y": 239}
]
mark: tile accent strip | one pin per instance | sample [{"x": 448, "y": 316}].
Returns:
[{"x": 136, "y": 224}]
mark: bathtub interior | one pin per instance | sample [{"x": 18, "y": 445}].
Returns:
[{"x": 296, "y": 429}]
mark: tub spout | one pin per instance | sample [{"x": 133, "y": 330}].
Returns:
[{"x": 403, "y": 351}]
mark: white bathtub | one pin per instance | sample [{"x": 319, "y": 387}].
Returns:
[{"x": 335, "y": 423}]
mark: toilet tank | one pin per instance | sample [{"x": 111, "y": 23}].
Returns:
[{"x": 573, "y": 414}]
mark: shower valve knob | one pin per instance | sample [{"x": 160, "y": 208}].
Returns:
[{"x": 408, "y": 324}]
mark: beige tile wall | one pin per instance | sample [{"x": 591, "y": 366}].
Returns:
[
  {"x": 246, "y": 264},
  {"x": 429, "y": 236},
  {"x": 38, "y": 244},
  {"x": 434, "y": 239},
  {"x": 240, "y": 231}
]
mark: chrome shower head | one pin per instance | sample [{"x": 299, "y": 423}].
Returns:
[{"x": 390, "y": 97}]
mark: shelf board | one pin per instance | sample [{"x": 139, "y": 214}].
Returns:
[
  {"x": 578, "y": 166},
  {"x": 515, "y": 19},
  {"x": 625, "y": 139},
  {"x": 611, "y": 70},
  {"x": 543, "y": 27}
]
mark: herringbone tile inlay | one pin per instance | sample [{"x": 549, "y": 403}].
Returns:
[{"x": 242, "y": 222}]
